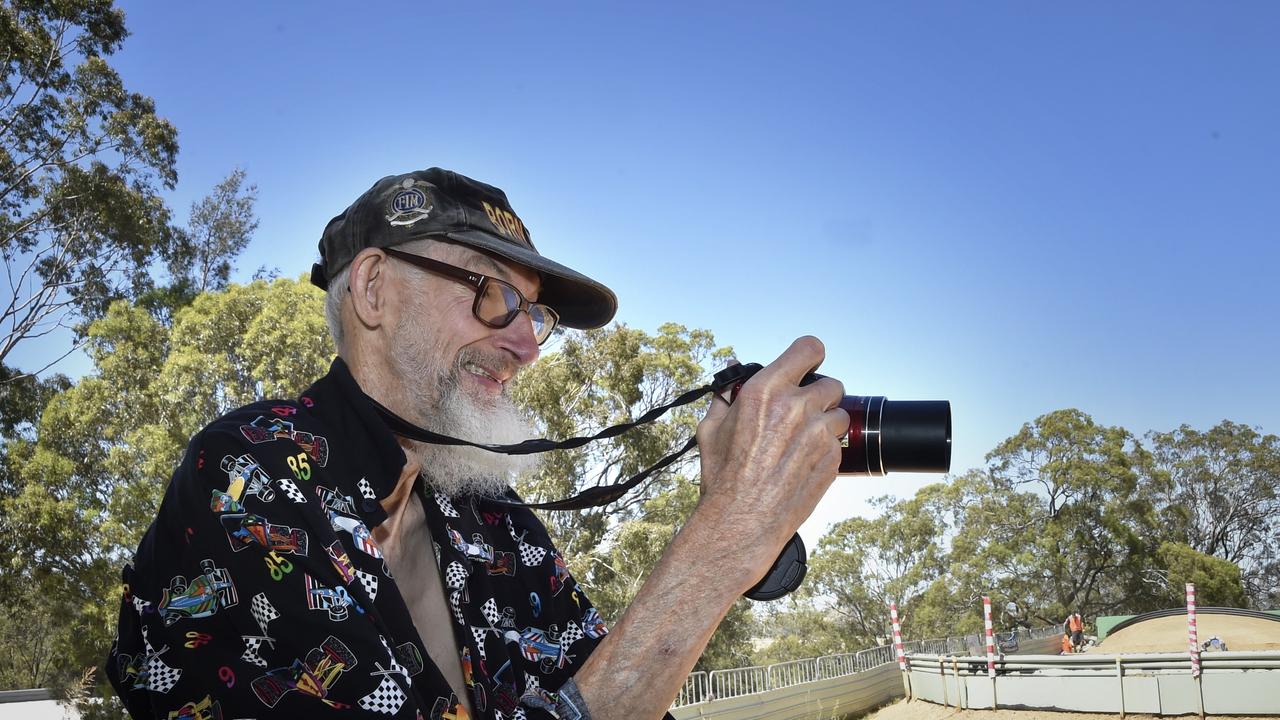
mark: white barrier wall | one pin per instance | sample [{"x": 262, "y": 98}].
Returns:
[
  {"x": 807, "y": 690},
  {"x": 828, "y": 699},
  {"x": 1231, "y": 683}
]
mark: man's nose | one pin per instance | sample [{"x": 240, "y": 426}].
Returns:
[{"x": 519, "y": 340}]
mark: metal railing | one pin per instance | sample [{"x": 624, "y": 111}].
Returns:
[
  {"x": 717, "y": 684},
  {"x": 693, "y": 691},
  {"x": 739, "y": 681}
]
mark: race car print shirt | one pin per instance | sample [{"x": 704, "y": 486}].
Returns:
[{"x": 259, "y": 591}]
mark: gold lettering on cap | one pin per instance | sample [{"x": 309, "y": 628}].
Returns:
[
  {"x": 493, "y": 216},
  {"x": 506, "y": 223}
]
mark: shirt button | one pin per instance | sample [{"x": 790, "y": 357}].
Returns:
[{"x": 369, "y": 505}]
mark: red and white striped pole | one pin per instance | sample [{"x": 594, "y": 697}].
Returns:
[
  {"x": 991, "y": 643},
  {"x": 897, "y": 647},
  {"x": 897, "y": 637},
  {"x": 1193, "y": 638}
]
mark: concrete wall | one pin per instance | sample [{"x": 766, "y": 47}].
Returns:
[
  {"x": 828, "y": 699},
  {"x": 1160, "y": 687}
]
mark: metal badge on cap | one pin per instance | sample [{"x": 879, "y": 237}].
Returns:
[{"x": 409, "y": 205}]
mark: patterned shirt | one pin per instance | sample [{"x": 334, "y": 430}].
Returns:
[{"x": 259, "y": 591}]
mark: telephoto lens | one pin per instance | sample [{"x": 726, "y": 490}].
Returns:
[{"x": 896, "y": 436}]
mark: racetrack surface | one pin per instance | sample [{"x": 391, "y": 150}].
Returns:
[
  {"x": 921, "y": 710},
  {"x": 1169, "y": 634}
]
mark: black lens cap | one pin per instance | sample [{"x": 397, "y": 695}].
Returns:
[{"x": 785, "y": 575}]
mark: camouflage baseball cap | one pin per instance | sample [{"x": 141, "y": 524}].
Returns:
[{"x": 447, "y": 206}]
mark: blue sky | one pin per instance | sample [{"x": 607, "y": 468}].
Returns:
[{"x": 1017, "y": 207}]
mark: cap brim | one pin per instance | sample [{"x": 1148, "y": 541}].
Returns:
[{"x": 580, "y": 301}]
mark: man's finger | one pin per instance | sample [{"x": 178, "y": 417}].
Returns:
[
  {"x": 804, "y": 355},
  {"x": 838, "y": 421},
  {"x": 825, "y": 393}
]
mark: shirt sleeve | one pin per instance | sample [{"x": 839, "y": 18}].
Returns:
[{"x": 236, "y": 606}]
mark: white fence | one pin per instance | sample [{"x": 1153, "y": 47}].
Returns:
[{"x": 1232, "y": 683}]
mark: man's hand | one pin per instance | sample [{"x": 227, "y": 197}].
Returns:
[{"x": 767, "y": 460}]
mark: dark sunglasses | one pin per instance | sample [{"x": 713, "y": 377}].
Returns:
[{"x": 497, "y": 301}]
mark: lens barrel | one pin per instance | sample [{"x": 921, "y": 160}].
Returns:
[{"x": 896, "y": 436}]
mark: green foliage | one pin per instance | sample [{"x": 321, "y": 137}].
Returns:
[
  {"x": 603, "y": 377},
  {"x": 80, "y": 158},
  {"x": 89, "y": 487},
  {"x": 1217, "y": 581},
  {"x": 862, "y": 564},
  {"x": 219, "y": 228},
  {"x": 1219, "y": 491},
  {"x": 22, "y": 397},
  {"x": 1057, "y": 523},
  {"x": 795, "y": 627}
]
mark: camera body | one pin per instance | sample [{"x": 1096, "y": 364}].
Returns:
[{"x": 884, "y": 436}]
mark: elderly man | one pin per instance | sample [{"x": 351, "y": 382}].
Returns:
[{"x": 309, "y": 562}]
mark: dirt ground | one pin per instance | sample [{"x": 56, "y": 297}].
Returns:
[
  {"x": 1169, "y": 634},
  {"x": 921, "y": 710}
]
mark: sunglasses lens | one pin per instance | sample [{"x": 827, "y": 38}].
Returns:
[
  {"x": 544, "y": 321},
  {"x": 499, "y": 303}
]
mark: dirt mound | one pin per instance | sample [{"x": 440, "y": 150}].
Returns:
[
  {"x": 1169, "y": 634},
  {"x": 921, "y": 710}
]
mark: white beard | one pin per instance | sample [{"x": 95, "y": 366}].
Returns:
[
  {"x": 442, "y": 406},
  {"x": 457, "y": 470}
]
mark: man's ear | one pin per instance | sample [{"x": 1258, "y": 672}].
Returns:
[{"x": 369, "y": 285}]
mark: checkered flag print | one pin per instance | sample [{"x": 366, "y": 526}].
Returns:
[
  {"x": 530, "y": 555},
  {"x": 369, "y": 582},
  {"x": 140, "y": 605},
  {"x": 291, "y": 490},
  {"x": 366, "y": 490},
  {"x": 387, "y": 698},
  {"x": 396, "y": 667},
  {"x": 455, "y": 576},
  {"x": 253, "y": 643},
  {"x": 490, "y": 611},
  {"x": 446, "y": 507},
  {"x": 479, "y": 634},
  {"x": 455, "y": 602},
  {"x": 571, "y": 635},
  {"x": 263, "y": 611},
  {"x": 160, "y": 677},
  {"x": 531, "y": 683}
]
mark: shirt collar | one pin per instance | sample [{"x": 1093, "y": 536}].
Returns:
[{"x": 362, "y": 443}]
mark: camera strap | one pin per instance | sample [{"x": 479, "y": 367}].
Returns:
[
  {"x": 591, "y": 497},
  {"x": 783, "y": 577}
]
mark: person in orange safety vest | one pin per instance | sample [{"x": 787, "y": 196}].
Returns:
[{"x": 1075, "y": 624}]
